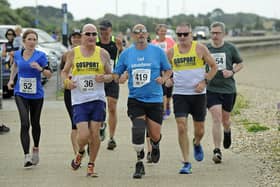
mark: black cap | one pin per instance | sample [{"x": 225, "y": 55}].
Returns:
[
  {"x": 105, "y": 24},
  {"x": 75, "y": 32}
]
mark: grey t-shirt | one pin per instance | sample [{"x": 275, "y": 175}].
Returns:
[{"x": 225, "y": 57}]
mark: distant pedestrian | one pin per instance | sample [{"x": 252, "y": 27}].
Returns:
[
  {"x": 54, "y": 35},
  {"x": 18, "y": 39},
  {"x": 8, "y": 48},
  {"x": 29, "y": 64},
  {"x": 221, "y": 90}
]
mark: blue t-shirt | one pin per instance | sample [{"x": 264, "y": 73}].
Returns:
[
  {"x": 28, "y": 84},
  {"x": 143, "y": 67}
]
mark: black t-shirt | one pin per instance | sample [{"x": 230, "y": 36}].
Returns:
[
  {"x": 9, "y": 47},
  {"x": 111, "y": 48}
]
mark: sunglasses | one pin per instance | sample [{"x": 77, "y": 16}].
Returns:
[
  {"x": 138, "y": 31},
  {"x": 10, "y": 34},
  {"x": 90, "y": 33},
  {"x": 180, "y": 34},
  {"x": 216, "y": 33}
]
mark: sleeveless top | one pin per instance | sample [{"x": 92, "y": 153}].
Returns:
[
  {"x": 83, "y": 73},
  {"x": 188, "y": 71}
]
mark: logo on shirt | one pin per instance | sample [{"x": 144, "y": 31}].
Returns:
[
  {"x": 185, "y": 61},
  {"x": 92, "y": 66}
]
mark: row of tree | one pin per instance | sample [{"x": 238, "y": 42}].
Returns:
[{"x": 50, "y": 19}]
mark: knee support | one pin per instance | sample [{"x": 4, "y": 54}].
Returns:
[{"x": 138, "y": 134}]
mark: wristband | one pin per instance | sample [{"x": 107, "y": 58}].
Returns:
[
  {"x": 66, "y": 83},
  {"x": 206, "y": 81}
]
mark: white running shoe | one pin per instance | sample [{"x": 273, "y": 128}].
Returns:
[
  {"x": 27, "y": 161},
  {"x": 35, "y": 155}
]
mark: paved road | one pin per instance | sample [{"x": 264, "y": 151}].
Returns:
[{"x": 115, "y": 168}]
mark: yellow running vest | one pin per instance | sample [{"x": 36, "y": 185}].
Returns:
[
  {"x": 84, "y": 71},
  {"x": 188, "y": 70}
]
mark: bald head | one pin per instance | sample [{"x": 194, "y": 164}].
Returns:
[
  {"x": 89, "y": 34},
  {"x": 89, "y": 26}
]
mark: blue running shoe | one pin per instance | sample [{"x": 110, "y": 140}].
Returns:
[
  {"x": 165, "y": 117},
  {"x": 186, "y": 169},
  {"x": 167, "y": 112},
  {"x": 198, "y": 152}
]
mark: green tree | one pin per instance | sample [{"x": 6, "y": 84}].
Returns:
[
  {"x": 259, "y": 24},
  {"x": 4, "y": 4}
]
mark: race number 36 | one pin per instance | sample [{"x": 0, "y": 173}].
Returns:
[{"x": 86, "y": 83}]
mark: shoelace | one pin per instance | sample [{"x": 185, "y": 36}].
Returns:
[
  {"x": 78, "y": 159},
  {"x": 90, "y": 168}
]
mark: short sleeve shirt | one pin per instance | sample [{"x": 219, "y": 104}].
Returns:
[
  {"x": 28, "y": 84},
  {"x": 225, "y": 57},
  {"x": 143, "y": 67}
]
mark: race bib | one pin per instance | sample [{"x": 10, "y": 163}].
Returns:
[
  {"x": 163, "y": 45},
  {"x": 220, "y": 59},
  {"x": 141, "y": 77},
  {"x": 28, "y": 85},
  {"x": 86, "y": 83}
]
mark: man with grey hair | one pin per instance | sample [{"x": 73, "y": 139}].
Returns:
[
  {"x": 90, "y": 68},
  {"x": 144, "y": 63},
  {"x": 221, "y": 90}
]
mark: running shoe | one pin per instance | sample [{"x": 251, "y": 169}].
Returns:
[
  {"x": 155, "y": 154},
  {"x": 186, "y": 169},
  {"x": 4, "y": 129},
  {"x": 27, "y": 161},
  {"x": 102, "y": 133},
  {"x": 76, "y": 163},
  {"x": 139, "y": 170},
  {"x": 167, "y": 112},
  {"x": 227, "y": 139},
  {"x": 198, "y": 152},
  {"x": 165, "y": 116},
  {"x": 149, "y": 157},
  {"x": 217, "y": 156},
  {"x": 90, "y": 170},
  {"x": 111, "y": 144},
  {"x": 35, "y": 155}
]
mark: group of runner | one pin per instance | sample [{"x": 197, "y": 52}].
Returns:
[{"x": 202, "y": 76}]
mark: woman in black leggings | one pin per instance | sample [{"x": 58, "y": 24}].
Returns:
[
  {"x": 29, "y": 64},
  {"x": 74, "y": 40}
]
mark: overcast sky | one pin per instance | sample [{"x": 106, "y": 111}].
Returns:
[{"x": 156, "y": 8}]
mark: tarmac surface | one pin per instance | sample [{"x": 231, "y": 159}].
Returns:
[{"x": 115, "y": 168}]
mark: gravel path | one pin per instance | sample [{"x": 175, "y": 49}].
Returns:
[{"x": 259, "y": 84}]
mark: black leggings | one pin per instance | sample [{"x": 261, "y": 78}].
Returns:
[
  {"x": 32, "y": 108},
  {"x": 68, "y": 104}
]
